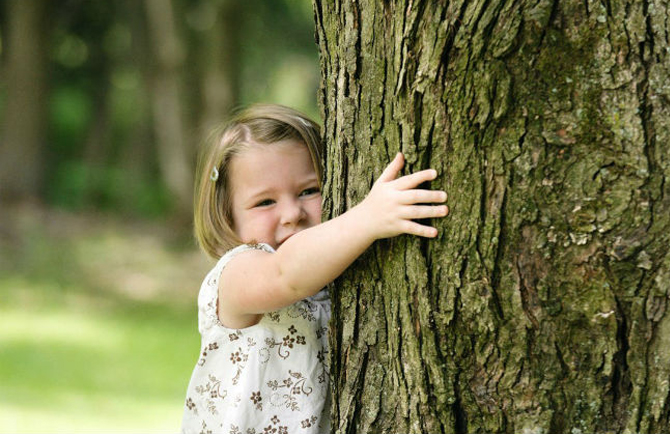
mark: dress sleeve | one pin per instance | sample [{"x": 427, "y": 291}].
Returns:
[{"x": 209, "y": 291}]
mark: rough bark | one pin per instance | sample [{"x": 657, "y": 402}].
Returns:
[{"x": 541, "y": 307}]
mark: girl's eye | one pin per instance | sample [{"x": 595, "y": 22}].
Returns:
[
  {"x": 310, "y": 191},
  {"x": 266, "y": 202}
]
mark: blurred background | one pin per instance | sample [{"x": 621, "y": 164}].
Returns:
[{"x": 103, "y": 106}]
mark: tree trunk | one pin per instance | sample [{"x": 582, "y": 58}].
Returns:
[
  {"x": 167, "y": 103},
  {"x": 139, "y": 155},
  {"x": 23, "y": 135},
  {"x": 219, "y": 60},
  {"x": 541, "y": 306}
]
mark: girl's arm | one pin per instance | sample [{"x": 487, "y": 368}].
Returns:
[{"x": 256, "y": 282}]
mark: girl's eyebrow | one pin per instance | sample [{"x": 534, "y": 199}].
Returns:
[
  {"x": 309, "y": 180},
  {"x": 266, "y": 191},
  {"x": 254, "y": 195}
]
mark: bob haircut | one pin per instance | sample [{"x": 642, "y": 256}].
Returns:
[{"x": 257, "y": 125}]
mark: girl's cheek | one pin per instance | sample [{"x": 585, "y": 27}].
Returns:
[{"x": 317, "y": 204}]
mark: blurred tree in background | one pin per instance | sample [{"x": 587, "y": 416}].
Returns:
[
  {"x": 103, "y": 104},
  {"x": 25, "y": 75}
]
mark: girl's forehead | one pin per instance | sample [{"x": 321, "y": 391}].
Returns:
[
  {"x": 260, "y": 171},
  {"x": 267, "y": 156},
  {"x": 270, "y": 151}
]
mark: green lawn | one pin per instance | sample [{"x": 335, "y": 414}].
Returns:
[{"x": 98, "y": 328}]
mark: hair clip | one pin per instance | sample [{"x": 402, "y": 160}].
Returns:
[
  {"x": 214, "y": 176},
  {"x": 304, "y": 122}
]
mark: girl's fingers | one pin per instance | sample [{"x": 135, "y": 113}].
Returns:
[
  {"x": 425, "y": 212},
  {"x": 411, "y": 181},
  {"x": 393, "y": 169},
  {"x": 423, "y": 196},
  {"x": 414, "y": 228}
]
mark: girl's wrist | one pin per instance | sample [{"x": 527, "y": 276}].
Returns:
[{"x": 362, "y": 225}]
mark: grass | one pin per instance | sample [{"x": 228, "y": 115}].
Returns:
[{"x": 98, "y": 327}]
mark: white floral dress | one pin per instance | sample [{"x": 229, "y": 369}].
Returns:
[{"x": 271, "y": 377}]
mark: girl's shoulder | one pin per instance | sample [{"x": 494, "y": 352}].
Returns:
[
  {"x": 208, "y": 295},
  {"x": 214, "y": 275},
  {"x": 230, "y": 254}
]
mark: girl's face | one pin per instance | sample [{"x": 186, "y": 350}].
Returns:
[{"x": 275, "y": 192}]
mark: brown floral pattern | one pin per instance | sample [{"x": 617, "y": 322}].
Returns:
[
  {"x": 307, "y": 423},
  {"x": 257, "y": 399},
  {"x": 285, "y": 345},
  {"x": 209, "y": 392},
  {"x": 295, "y": 384},
  {"x": 269, "y": 378},
  {"x": 208, "y": 348}
]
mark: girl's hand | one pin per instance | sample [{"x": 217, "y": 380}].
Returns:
[
  {"x": 257, "y": 282},
  {"x": 393, "y": 204}
]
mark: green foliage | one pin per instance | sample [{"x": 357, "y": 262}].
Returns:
[
  {"x": 72, "y": 52},
  {"x": 71, "y": 109},
  {"x": 77, "y": 186}
]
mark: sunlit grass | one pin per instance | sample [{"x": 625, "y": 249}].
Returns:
[
  {"x": 78, "y": 353},
  {"x": 91, "y": 414},
  {"x": 64, "y": 369}
]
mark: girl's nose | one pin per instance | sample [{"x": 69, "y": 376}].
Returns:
[{"x": 292, "y": 213}]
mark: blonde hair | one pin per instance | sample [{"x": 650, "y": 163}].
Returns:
[{"x": 258, "y": 124}]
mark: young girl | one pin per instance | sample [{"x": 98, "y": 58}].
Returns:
[{"x": 263, "y": 315}]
